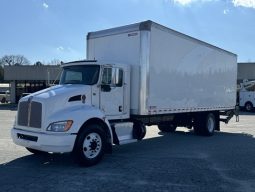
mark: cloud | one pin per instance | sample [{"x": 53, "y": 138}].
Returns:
[
  {"x": 225, "y": 11},
  {"x": 244, "y": 3},
  {"x": 60, "y": 49},
  {"x": 65, "y": 49},
  {"x": 45, "y": 5},
  {"x": 187, "y": 2},
  {"x": 65, "y": 53},
  {"x": 183, "y": 2},
  {"x": 236, "y": 3}
]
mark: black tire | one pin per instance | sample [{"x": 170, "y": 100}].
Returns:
[
  {"x": 139, "y": 131},
  {"x": 36, "y": 152},
  {"x": 248, "y": 106},
  {"x": 210, "y": 124},
  {"x": 205, "y": 124},
  {"x": 169, "y": 128},
  {"x": 3, "y": 100},
  {"x": 90, "y": 146}
]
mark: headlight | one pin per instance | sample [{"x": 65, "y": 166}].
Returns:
[{"x": 61, "y": 126}]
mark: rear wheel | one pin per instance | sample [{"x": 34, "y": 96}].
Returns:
[
  {"x": 205, "y": 124},
  {"x": 248, "y": 106},
  {"x": 139, "y": 131},
  {"x": 210, "y": 124},
  {"x": 91, "y": 145},
  {"x": 3, "y": 100},
  {"x": 167, "y": 127}
]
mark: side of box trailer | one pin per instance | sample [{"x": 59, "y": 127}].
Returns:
[
  {"x": 188, "y": 75},
  {"x": 170, "y": 72}
]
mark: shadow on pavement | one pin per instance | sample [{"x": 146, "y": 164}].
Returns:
[
  {"x": 180, "y": 161},
  {"x": 8, "y": 106},
  {"x": 246, "y": 113}
]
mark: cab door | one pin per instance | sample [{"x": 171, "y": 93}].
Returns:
[{"x": 112, "y": 92}]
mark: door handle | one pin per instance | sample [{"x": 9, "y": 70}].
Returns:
[{"x": 120, "y": 109}]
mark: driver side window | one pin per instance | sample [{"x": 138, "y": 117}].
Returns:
[
  {"x": 112, "y": 77},
  {"x": 107, "y": 76}
]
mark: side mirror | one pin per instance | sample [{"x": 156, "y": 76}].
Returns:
[{"x": 106, "y": 88}]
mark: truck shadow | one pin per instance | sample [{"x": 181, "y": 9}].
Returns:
[
  {"x": 8, "y": 107},
  {"x": 126, "y": 162},
  {"x": 247, "y": 113},
  {"x": 164, "y": 142}
]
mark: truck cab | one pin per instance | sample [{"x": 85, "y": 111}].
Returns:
[
  {"x": 74, "y": 116},
  {"x": 107, "y": 83}
]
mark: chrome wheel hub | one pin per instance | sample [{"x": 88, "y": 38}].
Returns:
[{"x": 92, "y": 145}]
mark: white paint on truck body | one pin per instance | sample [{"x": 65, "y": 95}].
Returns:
[
  {"x": 141, "y": 69},
  {"x": 170, "y": 72},
  {"x": 246, "y": 97},
  {"x": 56, "y": 108}
]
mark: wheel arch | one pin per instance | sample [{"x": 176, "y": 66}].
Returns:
[
  {"x": 106, "y": 127},
  {"x": 92, "y": 126},
  {"x": 104, "y": 124}
]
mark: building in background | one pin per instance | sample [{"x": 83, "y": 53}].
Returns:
[
  {"x": 30, "y": 78},
  {"x": 245, "y": 71}
]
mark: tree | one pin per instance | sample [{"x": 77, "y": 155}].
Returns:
[
  {"x": 55, "y": 62},
  {"x": 38, "y": 63},
  {"x": 14, "y": 60}
]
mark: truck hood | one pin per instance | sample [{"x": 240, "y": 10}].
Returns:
[
  {"x": 60, "y": 92},
  {"x": 58, "y": 97}
]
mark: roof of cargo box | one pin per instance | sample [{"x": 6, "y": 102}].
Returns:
[{"x": 145, "y": 26}]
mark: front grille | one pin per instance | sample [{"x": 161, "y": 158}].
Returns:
[{"x": 30, "y": 114}]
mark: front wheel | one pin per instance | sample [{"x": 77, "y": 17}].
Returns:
[{"x": 91, "y": 144}]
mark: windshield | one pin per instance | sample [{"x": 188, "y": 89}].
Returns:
[{"x": 80, "y": 74}]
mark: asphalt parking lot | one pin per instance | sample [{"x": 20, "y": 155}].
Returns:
[{"x": 180, "y": 161}]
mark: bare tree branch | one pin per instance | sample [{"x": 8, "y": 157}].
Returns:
[
  {"x": 54, "y": 62},
  {"x": 14, "y": 60}
]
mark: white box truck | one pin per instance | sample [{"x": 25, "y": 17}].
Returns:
[
  {"x": 247, "y": 100},
  {"x": 135, "y": 76},
  {"x": 247, "y": 95}
]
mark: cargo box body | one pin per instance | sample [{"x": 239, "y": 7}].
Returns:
[{"x": 170, "y": 72}]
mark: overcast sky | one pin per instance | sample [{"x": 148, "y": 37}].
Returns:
[{"x": 43, "y": 30}]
